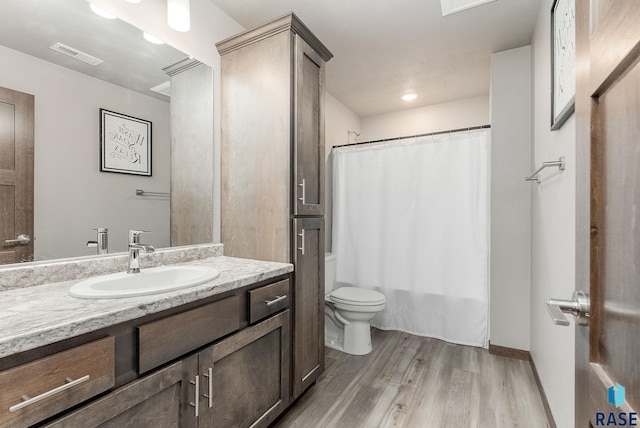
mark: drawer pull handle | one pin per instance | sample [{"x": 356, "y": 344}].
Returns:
[
  {"x": 28, "y": 401},
  {"x": 276, "y": 300}
]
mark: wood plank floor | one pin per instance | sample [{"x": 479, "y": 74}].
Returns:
[{"x": 411, "y": 381}]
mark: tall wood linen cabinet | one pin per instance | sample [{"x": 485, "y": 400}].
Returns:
[{"x": 272, "y": 151}]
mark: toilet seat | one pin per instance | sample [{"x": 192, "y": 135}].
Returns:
[{"x": 356, "y": 296}]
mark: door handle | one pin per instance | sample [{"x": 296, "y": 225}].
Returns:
[
  {"x": 579, "y": 306},
  {"x": 21, "y": 239}
]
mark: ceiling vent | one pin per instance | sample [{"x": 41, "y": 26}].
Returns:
[
  {"x": 74, "y": 53},
  {"x": 163, "y": 88},
  {"x": 453, "y": 6}
]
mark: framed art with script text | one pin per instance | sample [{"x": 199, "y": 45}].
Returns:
[
  {"x": 563, "y": 61},
  {"x": 125, "y": 144}
]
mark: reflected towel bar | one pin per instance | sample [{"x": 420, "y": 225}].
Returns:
[
  {"x": 140, "y": 192},
  {"x": 536, "y": 175}
]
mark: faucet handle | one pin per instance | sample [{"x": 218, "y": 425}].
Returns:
[
  {"x": 134, "y": 235},
  {"x": 101, "y": 229}
]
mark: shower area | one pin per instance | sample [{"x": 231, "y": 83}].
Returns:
[{"x": 411, "y": 220}]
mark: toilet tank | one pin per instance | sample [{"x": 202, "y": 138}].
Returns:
[{"x": 329, "y": 272}]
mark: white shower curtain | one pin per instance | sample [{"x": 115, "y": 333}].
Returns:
[{"x": 410, "y": 221}]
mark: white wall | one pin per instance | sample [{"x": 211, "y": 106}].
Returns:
[
  {"x": 72, "y": 196},
  {"x": 510, "y": 271},
  {"x": 437, "y": 117},
  {"x": 208, "y": 26},
  {"x": 552, "y": 237},
  {"x": 338, "y": 121}
]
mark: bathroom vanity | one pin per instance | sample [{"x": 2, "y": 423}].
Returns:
[{"x": 216, "y": 354}]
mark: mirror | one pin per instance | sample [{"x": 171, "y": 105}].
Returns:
[{"x": 71, "y": 195}]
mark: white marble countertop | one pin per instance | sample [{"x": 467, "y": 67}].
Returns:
[{"x": 36, "y": 316}]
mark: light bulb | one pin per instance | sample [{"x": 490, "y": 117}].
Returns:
[{"x": 409, "y": 96}]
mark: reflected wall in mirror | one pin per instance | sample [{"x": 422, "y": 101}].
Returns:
[{"x": 72, "y": 196}]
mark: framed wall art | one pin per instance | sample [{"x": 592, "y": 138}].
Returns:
[
  {"x": 125, "y": 144},
  {"x": 563, "y": 61}
]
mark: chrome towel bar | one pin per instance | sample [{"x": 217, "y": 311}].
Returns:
[
  {"x": 536, "y": 175},
  {"x": 140, "y": 192}
]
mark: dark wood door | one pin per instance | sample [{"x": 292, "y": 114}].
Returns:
[
  {"x": 16, "y": 176},
  {"x": 308, "y": 324},
  {"x": 152, "y": 401},
  {"x": 608, "y": 208},
  {"x": 244, "y": 380},
  {"x": 308, "y": 144}
]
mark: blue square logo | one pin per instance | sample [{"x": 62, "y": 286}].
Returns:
[{"x": 616, "y": 395}]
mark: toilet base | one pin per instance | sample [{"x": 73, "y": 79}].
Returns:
[{"x": 356, "y": 336}]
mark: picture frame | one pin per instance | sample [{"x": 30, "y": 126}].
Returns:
[
  {"x": 563, "y": 61},
  {"x": 125, "y": 144}
]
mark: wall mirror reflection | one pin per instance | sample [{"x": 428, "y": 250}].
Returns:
[{"x": 71, "y": 196}]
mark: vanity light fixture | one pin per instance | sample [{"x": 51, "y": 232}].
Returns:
[
  {"x": 153, "y": 39},
  {"x": 178, "y": 16},
  {"x": 409, "y": 96},
  {"x": 101, "y": 12}
]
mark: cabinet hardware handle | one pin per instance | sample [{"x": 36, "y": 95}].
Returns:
[
  {"x": 301, "y": 247},
  {"x": 28, "y": 401},
  {"x": 276, "y": 300},
  {"x": 197, "y": 395},
  {"x": 209, "y": 376},
  {"x": 303, "y": 196}
]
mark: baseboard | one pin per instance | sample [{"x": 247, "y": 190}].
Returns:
[
  {"x": 503, "y": 351},
  {"x": 545, "y": 402},
  {"x": 526, "y": 355}
]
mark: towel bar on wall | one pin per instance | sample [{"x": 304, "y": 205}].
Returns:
[
  {"x": 140, "y": 192},
  {"x": 536, "y": 175}
]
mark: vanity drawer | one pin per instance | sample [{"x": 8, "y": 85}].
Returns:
[
  {"x": 174, "y": 336},
  {"x": 56, "y": 382},
  {"x": 268, "y": 300}
]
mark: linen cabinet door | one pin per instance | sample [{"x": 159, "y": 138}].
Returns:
[
  {"x": 247, "y": 376},
  {"x": 308, "y": 146},
  {"x": 308, "y": 324}
]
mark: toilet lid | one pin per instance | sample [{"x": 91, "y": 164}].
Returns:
[{"x": 357, "y": 296}]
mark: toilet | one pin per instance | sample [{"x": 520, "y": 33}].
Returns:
[{"x": 348, "y": 311}]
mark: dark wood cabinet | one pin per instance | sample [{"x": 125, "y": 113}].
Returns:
[
  {"x": 308, "y": 331},
  {"x": 241, "y": 381},
  {"x": 272, "y": 172},
  {"x": 152, "y": 401},
  {"x": 308, "y": 142}
]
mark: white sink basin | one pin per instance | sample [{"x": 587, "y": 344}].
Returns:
[{"x": 149, "y": 281}]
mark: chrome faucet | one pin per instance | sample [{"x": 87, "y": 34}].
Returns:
[
  {"x": 134, "y": 250},
  {"x": 102, "y": 241}
]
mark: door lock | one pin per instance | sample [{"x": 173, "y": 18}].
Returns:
[{"x": 578, "y": 306}]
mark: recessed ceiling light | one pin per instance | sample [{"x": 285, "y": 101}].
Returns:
[
  {"x": 410, "y": 96},
  {"x": 134, "y": 1},
  {"x": 153, "y": 39},
  {"x": 453, "y": 6},
  {"x": 101, "y": 12},
  {"x": 178, "y": 15}
]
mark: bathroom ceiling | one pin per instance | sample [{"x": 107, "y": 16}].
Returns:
[{"x": 385, "y": 48}]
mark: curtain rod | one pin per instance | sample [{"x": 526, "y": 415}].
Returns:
[{"x": 428, "y": 134}]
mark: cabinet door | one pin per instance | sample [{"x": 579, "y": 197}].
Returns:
[
  {"x": 152, "y": 401},
  {"x": 308, "y": 325},
  {"x": 246, "y": 376},
  {"x": 308, "y": 144}
]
